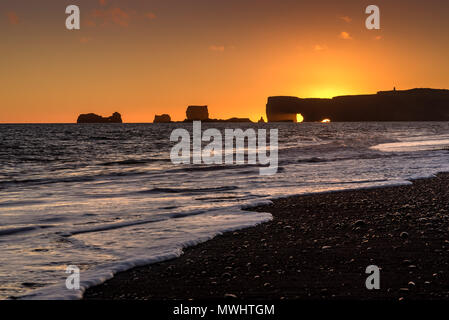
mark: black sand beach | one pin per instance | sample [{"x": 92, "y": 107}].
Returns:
[{"x": 316, "y": 247}]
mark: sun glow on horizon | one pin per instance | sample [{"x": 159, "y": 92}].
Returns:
[
  {"x": 167, "y": 63},
  {"x": 327, "y": 93},
  {"x": 299, "y": 117}
]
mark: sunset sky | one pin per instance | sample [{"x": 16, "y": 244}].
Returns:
[{"x": 147, "y": 57}]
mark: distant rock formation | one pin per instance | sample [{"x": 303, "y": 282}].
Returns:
[
  {"x": 164, "y": 118},
  {"x": 201, "y": 113},
  {"x": 233, "y": 120},
  {"x": 261, "y": 120},
  {"x": 195, "y": 113},
  {"x": 396, "y": 105},
  {"x": 93, "y": 118}
]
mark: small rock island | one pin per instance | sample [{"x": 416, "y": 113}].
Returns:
[
  {"x": 201, "y": 113},
  {"x": 163, "y": 118},
  {"x": 94, "y": 118},
  {"x": 197, "y": 113}
]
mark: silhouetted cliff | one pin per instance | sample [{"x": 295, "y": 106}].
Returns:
[
  {"x": 197, "y": 113},
  {"x": 164, "y": 118},
  {"x": 93, "y": 118},
  {"x": 406, "y": 105}
]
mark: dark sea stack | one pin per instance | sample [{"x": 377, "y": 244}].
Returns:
[
  {"x": 261, "y": 120},
  {"x": 164, "y": 118},
  {"x": 197, "y": 113},
  {"x": 94, "y": 118},
  {"x": 406, "y": 105}
]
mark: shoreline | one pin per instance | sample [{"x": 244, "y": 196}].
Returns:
[{"x": 316, "y": 247}]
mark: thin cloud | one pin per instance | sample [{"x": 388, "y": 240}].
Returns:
[
  {"x": 319, "y": 47},
  {"x": 378, "y": 38},
  {"x": 85, "y": 40},
  {"x": 345, "y": 19},
  {"x": 112, "y": 16},
  {"x": 91, "y": 23},
  {"x": 116, "y": 16},
  {"x": 345, "y": 35},
  {"x": 216, "y": 48},
  {"x": 150, "y": 15},
  {"x": 13, "y": 18}
]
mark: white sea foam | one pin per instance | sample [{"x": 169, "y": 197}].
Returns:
[
  {"x": 144, "y": 256},
  {"x": 422, "y": 143}
]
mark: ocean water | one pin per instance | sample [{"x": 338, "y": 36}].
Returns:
[{"x": 107, "y": 197}]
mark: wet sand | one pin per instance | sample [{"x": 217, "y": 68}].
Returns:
[{"x": 317, "y": 247}]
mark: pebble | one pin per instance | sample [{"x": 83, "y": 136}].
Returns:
[
  {"x": 407, "y": 262},
  {"x": 404, "y": 235},
  {"x": 359, "y": 224}
]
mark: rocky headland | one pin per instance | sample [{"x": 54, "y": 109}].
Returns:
[{"x": 395, "y": 105}]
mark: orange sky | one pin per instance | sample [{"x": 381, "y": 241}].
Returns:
[{"x": 142, "y": 58}]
